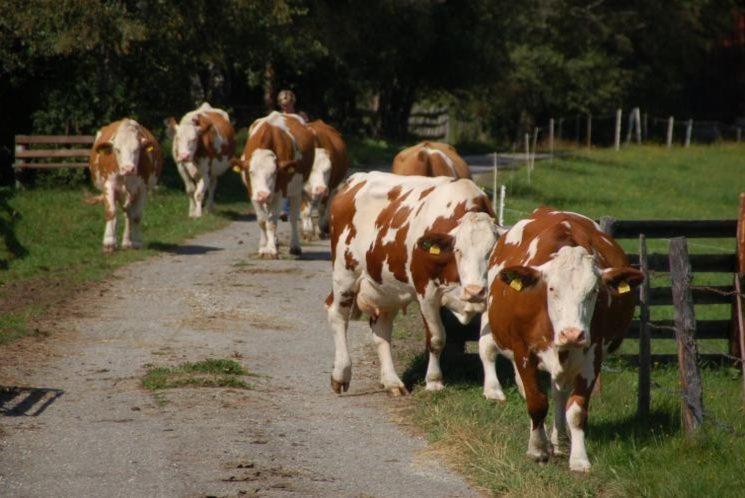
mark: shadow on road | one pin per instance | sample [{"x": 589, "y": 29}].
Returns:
[
  {"x": 315, "y": 256},
  {"x": 186, "y": 249},
  {"x": 26, "y": 401}
]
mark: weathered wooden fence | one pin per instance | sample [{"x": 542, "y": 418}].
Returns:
[{"x": 51, "y": 152}]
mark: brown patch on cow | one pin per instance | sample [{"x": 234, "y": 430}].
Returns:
[
  {"x": 394, "y": 193},
  {"x": 211, "y": 123},
  {"x": 328, "y": 138},
  {"x": 416, "y": 160},
  {"x": 347, "y": 299},
  {"x": 342, "y": 215},
  {"x": 349, "y": 262},
  {"x": 330, "y": 299},
  {"x": 392, "y": 217},
  {"x": 425, "y": 193}
]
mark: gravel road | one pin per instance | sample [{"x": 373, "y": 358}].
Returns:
[{"x": 82, "y": 425}]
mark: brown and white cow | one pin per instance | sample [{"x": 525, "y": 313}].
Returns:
[
  {"x": 330, "y": 166},
  {"x": 430, "y": 159},
  {"x": 275, "y": 163},
  {"x": 125, "y": 163},
  {"x": 397, "y": 239},
  {"x": 203, "y": 144},
  {"x": 560, "y": 299}
]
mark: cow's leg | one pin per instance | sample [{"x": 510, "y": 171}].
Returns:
[
  {"x": 306, "y": 217},
  {"x": 294, "y": 215},
  {"x": 488, "y": 352},
  {"x": 435, "y": 342},
  {"x": 211, "y": 193},
  {"x": 339, "y": 310},
  {"x": 267, "y": 219},
  {"x": 560, "y": 393},
  {"x": 189, "y": 186},
  {"x": 132, "y": 238},
  {"x": 323, "y": 214},
  {"x": 109, "y": 213},
  {"x": 382, "y": 328},
  {"x": 199, "y": 193},
  {"x": 576, "y": 416},
  {"x": 537, "y": 401}
]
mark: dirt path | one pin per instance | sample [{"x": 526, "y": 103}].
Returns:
[{"x": 89, "y": 429}]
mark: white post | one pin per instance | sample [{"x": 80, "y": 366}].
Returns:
[
  {"x": 527, "y": 155},
  {"x": 638, "y": 121},
  {"x": 670, "y": 123},
  {"x": 502, "y": 195},
  {"x": 494, "y": 185},
  {"x": 630, "y": 126},
  {"x": 551, "y": 137},
  {"x": 532, "y": 155},
  {"x": 689, "y": 131},
  {"x": 617, "y": 135}
]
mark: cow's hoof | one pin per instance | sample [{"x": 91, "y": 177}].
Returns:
[
  {"x": 338, "y": 387},
  {"x": 495, "y": 394},
  {"x": 109, "y": 248},
  {"x": 538, "y": 456},
  {"x": 434, "y": 385},
  {"x": 558, "y": 450},
  {"x": 296, "y": 251},
  {"x": 398, "y": 391},
  {"x": 579, "y": 465},
  {"x": 283, "y": 216},
  {"x": 308, "y": 237}
]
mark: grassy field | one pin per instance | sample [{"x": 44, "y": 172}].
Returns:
[
  {"x": 51, "y": 242},
  {"x": 487, "y": 441}
]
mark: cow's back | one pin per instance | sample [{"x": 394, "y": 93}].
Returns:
[
  {"x": 409, "y": 161},
  {"x": 328, "y": 138},
  {"x": 226, "y": 131}
]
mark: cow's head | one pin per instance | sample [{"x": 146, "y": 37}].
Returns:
[
  {"x": 317, "y": 186},
  {"x": 572, "y": 282},
  {"x": 468, "y": 245},
  {"x": 126, "y": 145},
  {"x": 264, "y": 168},
  {"x": 186, "y": 137}
]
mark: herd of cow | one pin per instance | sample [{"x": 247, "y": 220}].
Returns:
[{"x": 553, "y": 291}]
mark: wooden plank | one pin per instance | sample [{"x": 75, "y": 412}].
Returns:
[
  {"x": 685, "y": 332},
  {"x": 710, "y": 294},
  {"x": 51, "y": 153},
  {"x": 49, "y": 165},
  {"x": 663, "y": 329},
  {"x": 645, "y": 343},
  {"x": 701, "y": 263},
  {"x": 656, "y": 229},
  {"x": 55, "y": 139},
  {"x": 735, "y": 349},
  {"x": 666, "y": 359}
]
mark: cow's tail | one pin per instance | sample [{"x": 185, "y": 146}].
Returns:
[{"x": 92, "y": 200}]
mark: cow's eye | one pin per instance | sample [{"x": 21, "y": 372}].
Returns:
[{"x": 550, "y": 289}]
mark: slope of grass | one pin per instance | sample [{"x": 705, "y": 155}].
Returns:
[{"x": 630, "y": 457}]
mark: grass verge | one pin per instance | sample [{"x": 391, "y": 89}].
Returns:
[{"x": 205, "y": 373}]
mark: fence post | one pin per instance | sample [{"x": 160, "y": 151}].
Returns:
[
  {"x": 646, "y": 127},
  {"x": 535, "y": 146},
  {"x": 689, "y": 131},
  {"x": 589, "y": 131},
  {"x": 637, "y": 120},
  {"x": 17, "y": 167},
  {"x": 670, "y": 123},
  {"x": 494, "y": 185},
  {"x": 735, "y": 348},
  {"x": 551, "y": 137},
  {"x": 502, "y": 195},
  {"x": 738, "y": 308},
  {"x": 527, "y": 155},
  {"x": 645, "y": 343},
  {"x": 685, "y": 328},
  {"x": 739, "y": 134},
  {"x": 617, "y": 135}
]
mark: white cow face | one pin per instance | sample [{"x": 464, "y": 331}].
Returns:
[
  {"x": 573, "y": 281},
  {"x": 186, "y": 137},
  {"x": 126, "y": 145},
  {"x": 317, "y": 186},
  {"x": 262, "y": 172}
]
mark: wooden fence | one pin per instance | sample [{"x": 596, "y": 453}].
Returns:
[{"x": 51, "y": 152}]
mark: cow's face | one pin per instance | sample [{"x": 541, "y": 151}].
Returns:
[
  {"x": 318, "y": 181},
  {"x": 126, "y": 145},
  {"x": 186, "y": 137},
  {"x": 572, "y": 282}
]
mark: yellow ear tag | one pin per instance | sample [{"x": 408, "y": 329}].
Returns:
[
  {"x": 434, "y": 250},
  {"x": 517, "y": 284},
  {"x": 236, "y": 169},
  {"x": 624, "y": 287},
  {"x": 151, "y": 148}
]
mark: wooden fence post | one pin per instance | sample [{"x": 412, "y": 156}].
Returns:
[
  {"x": 670, "y": 124},
  {"x": 16, "y": 168},
  {"x": 689, "y": 132},
  {"x": 685, "y": 328},
  {"x": 502, "y": 195},
  {"x": 551, "y": 137},
  {"x": 739, "y": 309},
  {"x": 527, "y": 155},
  {"x": 638, "y": 121},
  {"x": 494, "y": 185},
  {"x": 617, "y": 135},
  {"x": 735, "y": 348},
  {"x": 645, "y": 342},
  {"x": 589, "y": 131}
]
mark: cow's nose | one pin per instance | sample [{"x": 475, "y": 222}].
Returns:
[
  {"x": 475, "y": 292},
  {"x": 262, "y": 196},
  {"x": 128, "y": 169},
  {"x": 572, "y": 336},
  {"x": 184, "y": 156},
  {"x": 320, "y": 192}
]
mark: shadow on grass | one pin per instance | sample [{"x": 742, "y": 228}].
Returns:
[
  {"x": 186, "y": 249},
  {"x": 8, "y": 219},
  {"x": 26, "y": 401},
  {"x": 658, "y": 423},
  {"x": 458, "y": 369},
  {"x": 233, "y": 215}
]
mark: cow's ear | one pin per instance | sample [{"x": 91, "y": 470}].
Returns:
[
  {"x": 147, "y": 144},
  {"x": 438, "y": 246},
  {"x": 104, "y": 147},
  {"x": 238, "y": 165},
  {"x": 622, "y": 280},
  {"x": 171, "y": 126},
  {"x": 520, "y": 277}
]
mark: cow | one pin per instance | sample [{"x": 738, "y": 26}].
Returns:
[
  {"x": 203, "y": 145},
  {"x": 430, "y": 159},
  {"x": 330, "y": 166},
  {"x": 125, "y": 163},
  {"x": 560, "y": 299},
  {"x": 397, "y": 239},
  {"x": 275, "y": 163}
]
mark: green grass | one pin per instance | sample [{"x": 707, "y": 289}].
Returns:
[
  {"x": 205, "y": 373},
  {"x": 630, "y": 457},
  {"x": 50, "y": 242}
]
